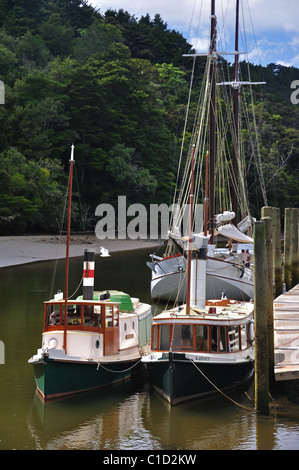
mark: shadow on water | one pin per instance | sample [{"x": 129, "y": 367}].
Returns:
[{"x": 131, "y": 415}]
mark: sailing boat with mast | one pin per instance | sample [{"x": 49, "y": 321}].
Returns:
[
  {"x": 229, "y": 271},
  {"x": 202, "y": 347},
  {"x": 93, "y": 341}
]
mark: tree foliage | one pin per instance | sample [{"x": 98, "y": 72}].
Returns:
[{"x": 114, "y": 86}]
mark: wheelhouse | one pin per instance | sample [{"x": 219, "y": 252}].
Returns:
[
  {"x": 85, "y": 316},
  {"x": 200, "y": 337},
  {"x": 80, "y": 315}
]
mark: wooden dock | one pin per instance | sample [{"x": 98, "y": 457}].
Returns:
[{"x": 286, "y": 335}]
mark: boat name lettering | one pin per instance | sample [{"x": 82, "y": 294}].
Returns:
[{"x": 199, "y": 358}]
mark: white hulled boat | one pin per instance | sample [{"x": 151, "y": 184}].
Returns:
[{"x": 225, "y": 201}]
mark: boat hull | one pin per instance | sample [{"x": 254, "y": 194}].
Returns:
[
  {"x": 179, "y": 379},
  {"x": 55, "y": 378},
  {"x": 169, "y": 280}
]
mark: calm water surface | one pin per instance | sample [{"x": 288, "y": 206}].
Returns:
[{"x": 128, "y": 417}]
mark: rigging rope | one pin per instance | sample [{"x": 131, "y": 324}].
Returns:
[{"x": 220, "y": 391}]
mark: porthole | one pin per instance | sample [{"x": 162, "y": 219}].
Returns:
[
  {"x": 52, "y": 343},
  {"x": 125, "y": 327},
  {"x": 97, "y": 344}
]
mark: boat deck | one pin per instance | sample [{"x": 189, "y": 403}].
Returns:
[
  {"x": 286, "y": 335},
  {"x": 132, "y": 355}
]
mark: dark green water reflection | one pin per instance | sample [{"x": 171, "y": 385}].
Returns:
[{"x": 126, "y": 417}]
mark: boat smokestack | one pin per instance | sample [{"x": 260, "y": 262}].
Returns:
[
  {"x": 88, "y": 274},
  {"x": 198, "y": 271}
]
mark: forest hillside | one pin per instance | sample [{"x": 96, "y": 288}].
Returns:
[{"x": 116, "y": 87}]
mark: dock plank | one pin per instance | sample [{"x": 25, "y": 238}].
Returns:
[{"x": 286, "y": 335}]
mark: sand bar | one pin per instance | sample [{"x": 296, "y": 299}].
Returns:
[{"x": 15, "y": 250}]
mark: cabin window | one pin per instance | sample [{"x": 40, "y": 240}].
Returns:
[
  {"x": 219, "y": 339},
  {"x": 89, "y": 319},
  {"x": 77, "y": 315},
  {"x": 53, "y": 315},
  {"x": 155, "y": 338},
  {"x": 182, "y": 337},
  {"x": 214, "y": 338},
  {"x": 245, "y": 340},
  {"x": 109, "y": 317},
  {"x": 201, "y": 338},
  {"x": 115, "y": 315},
  {"x": 164, "y": 337},
  {"x": 223, "y": 340},
  {"x": 234, "y": 338}
]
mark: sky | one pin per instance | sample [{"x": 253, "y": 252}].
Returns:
[{"x": 269, "y": 29}]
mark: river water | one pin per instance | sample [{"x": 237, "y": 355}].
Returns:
[{"x": 128, "y": 417}]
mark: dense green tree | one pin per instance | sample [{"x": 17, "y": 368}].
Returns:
[
  {"x": 30, "y": 196},
  {"x": 149, "y": 39},
  {"x": 115, "y": 86},
  {"x": 99, "y": 38}
]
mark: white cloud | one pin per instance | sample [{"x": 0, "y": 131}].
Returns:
[{"x": 269, "y": 19}]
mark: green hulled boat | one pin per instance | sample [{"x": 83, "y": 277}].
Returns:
[
  {"x": 93, "y": 341},
  {"x": 101, "y": 345}
]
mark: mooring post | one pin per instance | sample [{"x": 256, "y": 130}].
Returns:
[
  {"x": 277, "y": 252},
  {"x": 295, "y": 260},
  {"x": 298, "y": 242},
  {"x": 287, "y": 248},
  {"x": 274, "y": 214},
  {"x": 269, "y": 295},
  {"x": 260, "y": 318}
]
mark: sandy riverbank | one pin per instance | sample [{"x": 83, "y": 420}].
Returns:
[{"x": 27, "y": 249}]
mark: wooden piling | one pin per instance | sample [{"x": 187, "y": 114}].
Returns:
[
  {"x": 274, "y": 213},
  {"x": 295, "y": 259},
  {"x": 260, "y": 319},
  {"x": 269, "y": 296},
  {"x": 287, "y": 248},
  {"x": 277, "y": 254}
]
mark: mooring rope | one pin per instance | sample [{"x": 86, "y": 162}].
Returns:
[
  {"x": 117, "y": 371},
  {"x": 220, "y": 391}
]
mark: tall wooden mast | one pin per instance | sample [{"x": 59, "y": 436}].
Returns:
[
  {"x": 191, "y": 207},
  {"x": 67, "y": 255},
  {"x": 212, "y": 121},
  {"x": 236, "y": 94}
]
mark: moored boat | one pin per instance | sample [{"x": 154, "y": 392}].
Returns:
[
  {"x": 201, "y": 353},
  {"x": 204, "y": 346},
  {"x": 220, "y": 153},
  {"x": 100, "y": 346},
  {"x": 90, "y": 342}
]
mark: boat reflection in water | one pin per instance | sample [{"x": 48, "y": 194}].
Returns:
[{"x": 137, "y": 418}]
